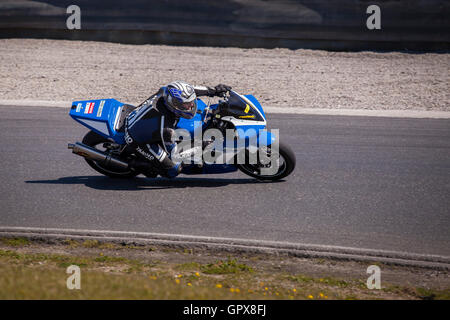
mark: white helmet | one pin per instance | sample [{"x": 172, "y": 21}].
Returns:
[{"x": 181, "y": 99}]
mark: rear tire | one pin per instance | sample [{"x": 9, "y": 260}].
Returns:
[
  {"x": 284, "y": 170},
  {"x": 95, "y": 140}
]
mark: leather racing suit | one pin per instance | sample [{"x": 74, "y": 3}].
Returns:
[{"x": 149, "y": 132}]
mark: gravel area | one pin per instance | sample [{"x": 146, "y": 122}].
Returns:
[{"x": 71, "y": 70}]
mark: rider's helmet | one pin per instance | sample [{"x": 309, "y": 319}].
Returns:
[{"x": 180, "y": 98}]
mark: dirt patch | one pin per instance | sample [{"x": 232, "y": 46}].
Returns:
[{"x": 71, "y": 70}]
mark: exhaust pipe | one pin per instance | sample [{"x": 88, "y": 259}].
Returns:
[{"x": 96, "y": 155}]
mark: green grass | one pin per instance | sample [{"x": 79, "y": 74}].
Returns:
[
  {"x": 419, "y": 292},
  {"x": 428, "y": 294},
  {"x": 43, "y": 276},
  {"x": 188, "y": 266},
  {"x": 225, "y": 267},
  {"x": 28, "y": 259},
  {"x": 15, "y": 242},
  {"x": 328, "y": 280},
  {"x": 230, "y": 266},
  {"x": 109, "y": 259},
  {"x": 34, "y": 283},
  {"x": 48, "y": 281},
  {"x": 111, "y": 276}
]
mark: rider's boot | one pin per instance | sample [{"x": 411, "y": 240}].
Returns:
[{"x": 144, "y": 167}]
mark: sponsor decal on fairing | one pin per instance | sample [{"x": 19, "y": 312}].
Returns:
[
  {"x": 100, "y": 108},
  {"x": 89, "y": 107}
]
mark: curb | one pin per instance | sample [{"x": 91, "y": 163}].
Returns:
[
  {"x": 36, "y": 103},
  {"x": 418, "y": 114},
  {"x": 436, "y": 262}
]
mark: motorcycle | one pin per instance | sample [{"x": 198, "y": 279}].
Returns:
[{"x": 105, "y": 150}]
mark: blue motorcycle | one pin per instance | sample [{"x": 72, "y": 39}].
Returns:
[{"x": 104, "y": 147}]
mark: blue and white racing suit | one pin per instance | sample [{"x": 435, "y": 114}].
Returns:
[{"x": 149, "y": 132}]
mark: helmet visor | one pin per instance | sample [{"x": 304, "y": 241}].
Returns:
[{"x": 186, "y": 106}]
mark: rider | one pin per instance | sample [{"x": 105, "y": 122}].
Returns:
[{"x": 149, "y": 129}]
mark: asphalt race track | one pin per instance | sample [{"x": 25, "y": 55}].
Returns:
[{"x": 364, "y": 182}]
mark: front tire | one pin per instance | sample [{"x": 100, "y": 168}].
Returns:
[
  {"x": 287, "y": 159},
  {"x": 95, "y": 140}
]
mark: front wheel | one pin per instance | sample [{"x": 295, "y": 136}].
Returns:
[
  {"x": 286, "y": 164},
  {"x": 94, "y": 140}
]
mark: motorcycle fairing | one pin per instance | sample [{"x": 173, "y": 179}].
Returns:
[
  {"x": 100, "y": 116},
  {"x": 103, "y": 116}
]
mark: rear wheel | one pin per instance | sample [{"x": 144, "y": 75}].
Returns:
[
  {"x": 97, "y": 141},
  {"x": 285, "y": 160}
]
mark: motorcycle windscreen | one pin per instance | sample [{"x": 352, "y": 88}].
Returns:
[{"x": 242, "y": 108}]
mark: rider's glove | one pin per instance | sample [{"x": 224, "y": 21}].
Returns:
[{"x": 218, "y": 90}]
